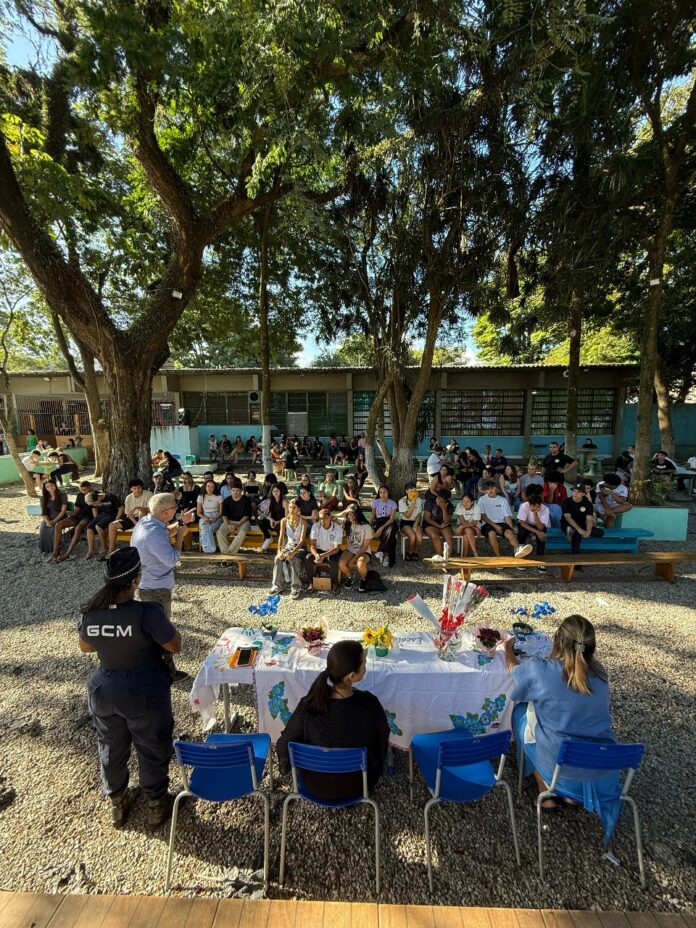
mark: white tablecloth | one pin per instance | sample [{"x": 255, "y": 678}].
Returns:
[{"x": 419, "y": 692}]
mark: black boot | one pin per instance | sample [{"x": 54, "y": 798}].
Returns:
[
  {"x": 121, "y": 803},
  {"x": 159, "y": 810}
]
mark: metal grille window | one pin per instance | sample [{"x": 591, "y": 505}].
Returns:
[
  {"x": 595, "y": 411},
  {"x": 362, "y": 403},
  {"x": 326, "y": 412},
  {"x": 482, "y": 412},
  {"x": 221, "y": 408}
]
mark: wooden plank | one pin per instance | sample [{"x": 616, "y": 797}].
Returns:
[
  {"x": 148, "y": 912},
  {"x": 420, "y": 916},
  {"x": 502, "y": 918},
  {"x": 641, "y": 919},
  {"x": 475, "y": 917},
  {"x": 615, "y": 920},
  {"x": 557, "y": 918},
  {"x": 584, "y": 919},
  {"x": 336, "y": 915},
  {"x": 122, "y": 910},
  {"x": 229, "y": 911},
  {"x": 68, "y": 914},
  {"x": 364, "y": 915},
  {"x": 254, "y": 913},
  {"x": 5, "y": 898},
  {"x": 29, "y": 910},
  {"x": 531, "y": 918},
  {"x": 175, "y": 912},
  {"x": 670, "y": 920},
  {"x": 309, "y": 914},
  {"x": 448, "y": 916},
  {"x": 282, "y": 913},
  {"x": 202, "y": 914},
  {"x": 95, "y": 912},
  {"x": 392, "y": 916}
]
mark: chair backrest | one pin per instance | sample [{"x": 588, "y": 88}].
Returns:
[
  {"x": 589, "y": 755},
  {"x": 327, "y": 760},
  {"x": 210, "y": 755},
  {"x": 459, "y": 752}
]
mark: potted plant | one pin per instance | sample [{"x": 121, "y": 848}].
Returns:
[
  {"x": 380, "y": 638},
  {"x": 313, "y": 636}
]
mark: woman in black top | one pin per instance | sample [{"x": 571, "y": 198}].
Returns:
[
  {"x": 172, "y": 468},
  {"x": 270, "y": 518},
  {"x": 334, "y": 715},
  {"x": 54, "y": 505},
  {"x": 188, "y": 497}
]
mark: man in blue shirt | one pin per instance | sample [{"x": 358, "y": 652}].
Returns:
[{"x": 158, "y": 558}]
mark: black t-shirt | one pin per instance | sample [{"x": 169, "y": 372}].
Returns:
[
  {"x": 189, "y": 498},
  {"x": 307, "y": 506},
  {"x": 109, "y": 506},
  {"x": 578, "y": 512},
  {"x": 237, "y": 510},
  {"x": 82, "y": 510},
  {"x": 666, "y": 467},
  {"x": 554, "y": 463},
  {"x": 499, "y": 463}
]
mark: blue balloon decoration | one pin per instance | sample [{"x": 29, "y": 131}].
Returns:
[{"x": 268, "y": 607}]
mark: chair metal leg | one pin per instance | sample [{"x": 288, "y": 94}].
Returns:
[
  {"x": 428, "y": 850},
  {"x": 266, "y": 836},
  {"x": 513, "y": 824},
  {"x": 540, "y": 798},
  {"x": 371, "y": 802},
  {"x": 270, "y": 767},
  {"x": 410, "y": 772},
  {"x": 172, "y": 836},
  {"x": 283, "y": 835},
  {"x": 639, "y": 838}
]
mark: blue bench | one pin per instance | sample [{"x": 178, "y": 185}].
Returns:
[{"x": 614, "y": 539}]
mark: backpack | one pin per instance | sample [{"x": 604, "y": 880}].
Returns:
[{"x": 373, "y": 583}]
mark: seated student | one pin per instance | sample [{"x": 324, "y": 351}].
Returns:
[
  {"x": 286, "y": 567},
  {"x": 105, "y": 508},
  {"x": 30, "y": 461},
  {"x": 509, "y": 484},
  {"x": 209, "y": 511},
  {"x": 32, "y": 441},
  {"x": 317, "y": 453},
  {"x": 411, "y": 520},
  {"x": 590, "y": 491},
  {"x": 557, "y": 461},
  {"x": 360, "y": 470},
  {"x": 212, "y": 448},
  {"x": 236, "y": 520},
  {"x": 357, "y": 554},
  {"x": 226, "y": 486},
  {"x": 289, "y": 459},
  {"x": 612, "y": 499},
  {"x": 325, "y": 539},
  {"x": 54, "y": 505},
  {"x": 384, "y": 526},
  {"x": 344, "y": 447},
  {"x": 496, "y": 522},
  {"x": 434, "y": 462},
  {"x": 187, "y": 498},
  {"x": 252, "y": 489},
  {"x": 308, "y": 506},
  {"x": 487, "y": 456},
  {"x": 171, "y": 469},
  {"x": 333, "y": 448},
  {"x": 134, "y": 507},
  {"x": 437, "y": 520},
  {"x": 534, "y": 522},
  {"x": 569, "y": 695},
  {"x": 468, "y": 513},
  {"x": 662, "y": 465},
  {"x": 578, "y": 519},
  {"x": 554, "y": 496},
  {"x": 624, "y": 463},
  {"x": 452, "y": 447},
  {"x": 335, "y": 715},
  {"x": 328, "y": 491},
  {"x": 271, "y": 512},
  {"x": 269, "y": 481},
  {"x": 64, "y": 465},
  {"x": 160, "y": 484},
  {"x": 498, "y": 462},
  {"x": 530, "y": 479},
  {"x": 224, "y": 448},
  {"x": 353, "y": 448},
  {"x": 76, "y": 520},
  {"x": 237, "y": 448},
  {"x": 351, "y": 492},
  {"x": 305, "y": 481},
  {"x": 443, "y": 479},
  {"x": 157, "y": 459},
  {"x": 485, "y": 478},
  {"x": 253, "y": 448}
]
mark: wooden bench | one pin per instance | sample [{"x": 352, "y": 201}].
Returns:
[
  {"x": 664, "y": 562},
  {"x": 242, "y": 561}
]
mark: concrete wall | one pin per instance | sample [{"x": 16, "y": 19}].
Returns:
[
  {"x": 178, "y": 439},
  {"x": 683, "y": 420},
  {"x": 8, "y": 470}
]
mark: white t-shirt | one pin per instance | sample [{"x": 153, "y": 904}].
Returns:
[
  {"x": 433, "y": 464},
  {"x": 497, "y": 509},
  {"x": 30, "y": 463},
  {"x": 691, "y": 463},
  {"x": 133, "y": 502},
  {"x": 405, "y": 505},
  {"x": 468, "y": 515},
  {"x": 543, "y": 515},
  {"x": 359, "y": 534},
  {"x": 621, "y": 490},
  {"x": 326, "y": 538}
]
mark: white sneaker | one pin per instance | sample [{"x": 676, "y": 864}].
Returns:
[
  {"x": 523, "y": 550},
  {"x": 267, "y": 542},
  {"x": 380, "y": 556}
]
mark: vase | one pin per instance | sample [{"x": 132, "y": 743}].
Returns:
[
  {"x": 450, "y": 648},
  {"x": 381, "y": 651}
]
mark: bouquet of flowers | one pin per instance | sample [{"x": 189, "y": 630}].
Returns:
[
  {"x": 380, "y": 638},
  {"x": 312, "y": 636},
  {"x": 490, "y": 638},
  {"x": 459, "y": 600}
]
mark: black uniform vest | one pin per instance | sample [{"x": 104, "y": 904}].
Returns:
[{"x": 117, "y": 636}]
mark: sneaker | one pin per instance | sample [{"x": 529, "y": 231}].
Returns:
[
  {"x": 121, "y": 803},
  {"x": 386, "y": 563},
  {"x": 361, "y": 587},
  {"x": 523, "y": 550},
  {"x": 542, "y": 569},
  {"x": 349, "y": 583},
  {"x": 267, "y": 542},
  {"x": 295, "y": 594},
  {"x": 274, "y": 591},
  {"x": 181, "y": 675},
  {"x": 380, "y": 556},
  {"x": 159, "y": 810},
  {"x": 415, "y": 556}
]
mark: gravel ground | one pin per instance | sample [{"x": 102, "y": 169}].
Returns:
[{"x": 56, "y": 835}]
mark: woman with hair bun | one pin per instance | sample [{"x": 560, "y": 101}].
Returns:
[
  {"x": 565, "y": 696},
  {"x": 335, "y": 715},
  {"x": 129, "y": 694}
]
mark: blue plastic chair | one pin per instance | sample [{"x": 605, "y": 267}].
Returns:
[
  {"x": 457, "y": 768},
  {"x": 222, "y": 768},
  {"x": 328, "y": 761},
  {"x": 600, "y": 760}
]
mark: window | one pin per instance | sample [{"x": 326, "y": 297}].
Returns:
[
  {"x": 326, "y": 412},
  {"x": 595, "y": 411},
  {"x": 222, "y": 408},
  {"x": 362, "y": 403},
  {"x": 482, "y": 412}
]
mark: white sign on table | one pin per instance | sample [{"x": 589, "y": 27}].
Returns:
[{"x": 419, "y": 692}]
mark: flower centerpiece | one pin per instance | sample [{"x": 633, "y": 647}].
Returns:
[
  {"x": 380, "y": 638},
  {"x": 489, "y": 638},
  {"x": 459, "y": 600},
  {"x": 312, "y": 636}
]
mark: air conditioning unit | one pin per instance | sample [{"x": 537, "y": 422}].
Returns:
[{"x": 254, "y": 396}]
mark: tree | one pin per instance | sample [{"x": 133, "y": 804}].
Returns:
[{"x": 136, "y": 154}]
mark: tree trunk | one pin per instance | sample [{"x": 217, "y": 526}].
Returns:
[
  {"x": 130, "y": 389},
  {"x": 100, "y": 427},
  {"x": 8, "y": 427},
  {"x": 381, "y": 443},
  {"x": 374, "y": 471},
  {"x": 265, "y": 347},
  {"x": 575, "y": 340},
  {"x": 664, "y": 411}
]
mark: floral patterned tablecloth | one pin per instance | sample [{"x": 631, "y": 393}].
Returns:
[{"x": 419, "y": 692}]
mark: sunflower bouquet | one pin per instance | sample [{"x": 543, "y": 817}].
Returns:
[{"x": 381, "y": 639}]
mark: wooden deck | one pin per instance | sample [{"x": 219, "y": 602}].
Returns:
[{"x": 37, "y": 910}]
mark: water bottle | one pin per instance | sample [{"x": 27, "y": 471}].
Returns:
[{"x": 445, "y": 551}]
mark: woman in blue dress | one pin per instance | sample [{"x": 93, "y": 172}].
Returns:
[{"x": 565, "y": 696}]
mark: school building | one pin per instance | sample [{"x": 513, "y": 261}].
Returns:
[{"x": 515, "y": 407}]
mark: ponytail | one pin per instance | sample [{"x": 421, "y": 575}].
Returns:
[
  {"x": 345, "y": 657},
  {"x": 574, "y": 645}
]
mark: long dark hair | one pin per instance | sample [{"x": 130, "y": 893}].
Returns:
[
  {"x": 344, "y": 657},
  {"x": 359, "y": 518},
  {"x": 45, "y": 496},
  {"x": 122, "y": 567}
]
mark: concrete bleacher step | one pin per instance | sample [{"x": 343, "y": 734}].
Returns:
[{"x": 614, "y": 539}]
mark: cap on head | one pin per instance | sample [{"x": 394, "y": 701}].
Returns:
[{"x": 123, "y": 564}]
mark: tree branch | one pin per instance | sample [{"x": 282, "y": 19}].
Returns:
[{"x": 65, "y": 349}]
